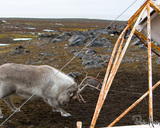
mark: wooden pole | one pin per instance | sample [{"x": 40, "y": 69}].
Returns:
[
  {"x": 149, "y": 65},
  {"x": 98, "y": 107},
  {"x": 79, "y": 124},
  {"x": 133, "y": 105},
  {"x": 106, "y": 84}
]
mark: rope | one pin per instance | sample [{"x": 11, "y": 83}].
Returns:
[{"x": 67, "y": 64}]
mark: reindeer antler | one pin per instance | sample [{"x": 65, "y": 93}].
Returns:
[{"x": 80, "y": 87}]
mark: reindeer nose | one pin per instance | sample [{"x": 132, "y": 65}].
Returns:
[{"x": 65, "y": 103}]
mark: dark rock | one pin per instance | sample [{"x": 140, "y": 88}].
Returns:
[
  {"x": 108, "y": 50},
  {"x": 109, "y": 27},
  {"x": 96, "y": 43},
  {"x": 91, "y": 32},
  {"x": 114, "y": 32},
  {"x": 56, "y": 40},
  {"x": 52, "y": 59},
  {"x": 142, "y": 46},
  {"x": 106, "y": 41},
  {"x": 100, "y": 65},
  {"x": 42, "y": 54},
  {"x": 90, "y": 52},
  {"x": 45, "y": 54},
  {"x": 26, "y": 51},
  {"x": 91, "y": 37},
  {"x": 48, "y": 35},
  {"x": 73, "y": 51},
  {"x": 17, "y": 52},
  {"x": 93, "y": 61},
  {"x": 106, "y": 58},
  {"x": 52, "y": 54},
  {"x": 76, "y": 40},
  {"x": 137, "y": 42},
  {"x": 86, "y": 57},
  {"x": 64, "y": 36},
  {"x": 91, "y": 57},
  {"x": 106, "y": 61},
  {"x": 78, "y": 54},
  {"x": 69, "y": 33},
  {"x": 158, "y": 61},
  {"x": 89, "y": 62},
  {"x": 19, "y": 47}
]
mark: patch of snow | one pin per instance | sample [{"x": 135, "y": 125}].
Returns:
[
  {"x": 3, "y": 21},
  {"x": 4, "y": 44},
  {"x": 59, "y": 24},
  {"x": 47, "y": 30},
  {"x": 111, "y": 34},
  {"x": 22, "y": 39},
  {"x": 31, "y": 28}
]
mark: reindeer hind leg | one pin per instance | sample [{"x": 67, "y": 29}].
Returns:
[
  {"x": 1, "y": 115},
  {"x": 11, "y": 105}
]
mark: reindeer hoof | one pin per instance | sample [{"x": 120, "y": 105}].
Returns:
[
  {"x": 66, "y": 115},
  {"x": 1, "y": 117},
  {"x": 17, "y": 110}
]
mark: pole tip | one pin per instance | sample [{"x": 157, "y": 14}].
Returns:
[{"x": 79, "y": 124}]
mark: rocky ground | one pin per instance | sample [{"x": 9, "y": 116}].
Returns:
[{"x": 55, "y": 43}]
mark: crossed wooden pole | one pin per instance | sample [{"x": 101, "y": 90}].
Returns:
[{"x": 116, "y": 58}]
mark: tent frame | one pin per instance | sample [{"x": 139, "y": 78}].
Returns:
[{"x": 117, "y": 56}]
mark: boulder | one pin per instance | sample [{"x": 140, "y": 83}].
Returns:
[
  {"x": 86, "y": 57},
  {"x": 56, "y": 40},
  {"x": 137, "y": 42},
  {"x": 94, "y": 60},
  {"x": 42, "y": 54},
  {"x": 76, "y": 40},
  {"x": 142, "y": 46},
  {"x": 158, "y": 61},
  {"x": 52, "y": 59},
  {"x": 100, "y": 65},
  {"x": 26, "y": 51},
  {"x": 20, "y": 49},
  {"x": 48, "y": 35},
  {"x": 96, "y": 43},
  {"x": 74, "y": 51},
  {"x": 90, "y": 52},
  {"x": 99, "y": 43},
  {"x": 78, "y": 54},
  {"x": 114, "y": 32}
]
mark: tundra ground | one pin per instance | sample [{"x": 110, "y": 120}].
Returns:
[{"x": 129, "y": 84}]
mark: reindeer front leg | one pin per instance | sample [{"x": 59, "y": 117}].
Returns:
[{"x": 56, "y": 108}]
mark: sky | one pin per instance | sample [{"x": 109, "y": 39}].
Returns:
[{"x": 92, "y": 9}]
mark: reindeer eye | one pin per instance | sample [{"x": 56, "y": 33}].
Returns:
[{"x": 71, "y": 94}]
